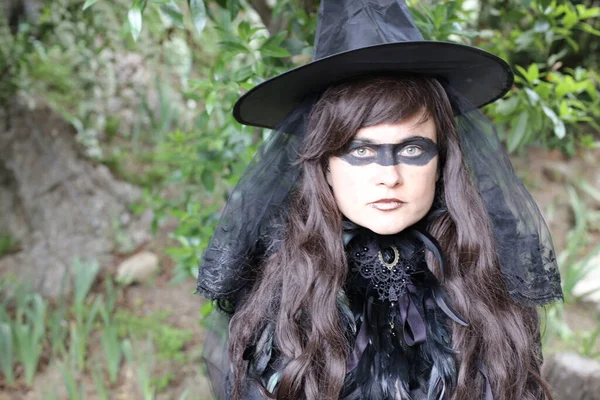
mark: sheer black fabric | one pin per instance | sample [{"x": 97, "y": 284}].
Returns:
[
  {"x": 252, "y": 223},
  {"x": 523, "y": 241},
  {"x": 215, "y": 354}
]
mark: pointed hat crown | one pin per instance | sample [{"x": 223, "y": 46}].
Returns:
[{"x": 345, "y": 25}]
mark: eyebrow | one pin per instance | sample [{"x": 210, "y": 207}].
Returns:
[{"x": 369, "y": 141}]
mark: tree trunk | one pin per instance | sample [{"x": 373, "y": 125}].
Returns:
[{"x": 54, "y": 201}]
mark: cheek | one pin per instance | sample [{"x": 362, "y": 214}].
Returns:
[
  {"x": 422, "y": 183},
  {"x": 347, "y": 182}
]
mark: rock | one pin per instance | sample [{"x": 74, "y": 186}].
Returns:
[
  {"x": 55, "y": 203},
  {"x": 572, "y": 377},
  {"x": 140, "y": 228},
  {"x": 137, "y": 268}
]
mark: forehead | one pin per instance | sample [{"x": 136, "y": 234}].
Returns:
[{"x": 396, "y": 132}]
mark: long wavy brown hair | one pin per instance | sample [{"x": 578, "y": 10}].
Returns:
[{"x": 297, "y": 287}]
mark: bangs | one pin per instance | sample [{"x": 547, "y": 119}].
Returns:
[
  {"x": 377, "y": 100},
  {"x": 394, "y": 100},
  {"x": 344, "y": 109}
]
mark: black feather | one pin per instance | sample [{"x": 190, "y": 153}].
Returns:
[{"x": 391, "y": 367}]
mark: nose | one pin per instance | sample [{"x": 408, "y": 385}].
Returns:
[{"x": 389, "y": 176}]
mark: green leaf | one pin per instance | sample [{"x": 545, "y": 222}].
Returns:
[
  {"x": 522, "y": 71},
  {"x": 525, "y": 40},
  {"x": 234, "y": 7},
  {"x": 556, "y": 56},
  {"x": 275, "y": 52},
  {"x": 172, "y": 13},
  {"x": 206, "y": 309},
  {"x": 507, "y": 106},
  {"x": 559, "y": 126},
  {"x": 574, "y": 45},
  {"x": 233, "y": 46},
  {"x": 588, "y": 28},
  {"x": 563, "y": 88},
  {"x": 272, "y": 46},
  {"x": 209, "y": 102},
  {"x": 541, "y": 26},
  {"x": 244, "y": 31},
  {"x": 585, "y": 13},
  {"x": 533, "y": 73},
  {"x": 534, "y": 98},
  {"x": 7, "y": 348},
  {"x": 242, "y": 74},
  {"x": 518, "y": 132},
  {"x": 545, "y": 90},
  {"x": 564, "y": 109},
  {"x": 88, "y": 4},
  {"x": 570, "y": 18},
  {"x": 274, "y": 40},
  {"x": 198, "y": 11},
  {"x": 208, "y": 180},
  {"x": 134, "y": 16}
]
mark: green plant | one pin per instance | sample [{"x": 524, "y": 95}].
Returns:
[
  {"x": 7, "y": 351},
  {"x": 201, "y": 161},
  {"x": 8, "y": 244},
  {"x": 29, "y": 328},
  {"x": 144, "y": 364},
  {"x": 554, "y": 102},
  {"x": 121, "y": 238},
  {"x": 590, "y": 343},
  {"x": 553, "y": 326},
  {"x": 74, "y": 387},
  {"x": 101, "y": 388},
  {"x": 163, "y": 381},
  {"x": 444, "y": 21},
  {"x": 58, "y": 327},
  {"x": 573, "y": 268},
  {"x": 169, "y": 341},
  {"x": 555, "y": 105},
  {"x": 111, "y": 347},
  {"x": 85, "y": 274},
  {"x": 185, "y": 394}
]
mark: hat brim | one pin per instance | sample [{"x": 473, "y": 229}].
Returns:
[{"x": 479, "y": 76}]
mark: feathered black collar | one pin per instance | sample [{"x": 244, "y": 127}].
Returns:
[{"x": 400, "y": 315}]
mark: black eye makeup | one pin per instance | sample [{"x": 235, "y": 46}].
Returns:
[{"x": 415, "y": 150}]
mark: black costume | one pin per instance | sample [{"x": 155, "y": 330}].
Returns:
[{"x": 396, "y": 313}]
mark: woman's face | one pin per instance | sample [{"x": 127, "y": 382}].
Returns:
[{"x": 385, "y": 180}]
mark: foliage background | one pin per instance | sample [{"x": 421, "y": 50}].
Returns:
[{"x": 149, "y": 86}]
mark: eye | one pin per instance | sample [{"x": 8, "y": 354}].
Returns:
[
  {"x": 411, "y": 151},
  {"x": 362, "y": 152}
]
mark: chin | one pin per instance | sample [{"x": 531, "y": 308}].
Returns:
[{"x": 386, "y": 230}]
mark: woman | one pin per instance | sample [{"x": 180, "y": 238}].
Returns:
[{"x": 396, "y": 257}]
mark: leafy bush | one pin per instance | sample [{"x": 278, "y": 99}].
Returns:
[{"x": 553, "y": 105}]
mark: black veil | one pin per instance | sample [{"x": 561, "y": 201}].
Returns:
[{"x": 253, "y": 221}]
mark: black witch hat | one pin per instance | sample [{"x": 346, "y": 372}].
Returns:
[{"x": 358, "y": 37}]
